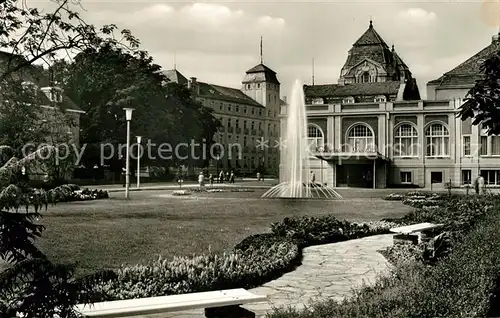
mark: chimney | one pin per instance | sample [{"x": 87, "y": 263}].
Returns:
[{"x": 193, "y": 85}]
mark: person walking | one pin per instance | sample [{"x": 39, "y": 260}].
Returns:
[
  {"x": 481, "y": 185},
  {"x": 231, "y": 177},
  {"x": 211, "y": 179},
  {"x": 221, "y": 176},
  {"x": 313, "y": 178}
]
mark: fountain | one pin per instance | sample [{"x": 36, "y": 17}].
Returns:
[{"x": 296, "y": 183}]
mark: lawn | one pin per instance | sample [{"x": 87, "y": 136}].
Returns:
[{"x": 108, "y": 233}]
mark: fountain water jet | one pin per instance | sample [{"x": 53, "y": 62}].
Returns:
[{"x": 296, "y": 153}]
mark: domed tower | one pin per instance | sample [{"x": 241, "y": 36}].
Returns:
[{"x": 371, "y": 60}]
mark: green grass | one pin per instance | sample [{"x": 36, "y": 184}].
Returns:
[{"x": 109, "y": 233}]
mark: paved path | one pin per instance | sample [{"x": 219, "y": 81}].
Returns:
[
  {"x": 327, "y": 271},
  {"x": 188, "y": 185}
]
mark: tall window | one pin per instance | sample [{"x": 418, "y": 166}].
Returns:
[
  {"x": 406, "y": 141},
  {"x": 315, "y": 138},
  {"x": 466, "y": 145},
  {"x": 495, "y": 145},
  {"x": 438, "y": 140},
  {"x": 361, "y": 139},
  {"x": 484, "y": 146},
  {"x": 365, "y": 78}
]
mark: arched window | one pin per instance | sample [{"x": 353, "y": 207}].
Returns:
[
  {"x": 360, "y": 138},
  {"x": 349, "y": 100},
  {"x": 315, "y": 137},
  {"x": 438, "y": 140},
  {"x": 406, "y": 141},
  {"x": 318, "y": 101}
]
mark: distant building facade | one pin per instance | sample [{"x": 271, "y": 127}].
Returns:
[
  {"x": 373, "y": 130},
  {"x": 250, "y": 119},
  {"x": 51, "y": 98}
]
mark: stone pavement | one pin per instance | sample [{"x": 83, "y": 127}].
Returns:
[{"x": 327, "y": 271}]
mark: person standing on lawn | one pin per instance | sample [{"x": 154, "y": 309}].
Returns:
[{"x": 201, "y": 181}]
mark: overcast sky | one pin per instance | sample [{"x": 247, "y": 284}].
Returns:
[{"x": 218, "y": 41}]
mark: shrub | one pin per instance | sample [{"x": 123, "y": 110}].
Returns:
[
  {"x": 307, "y": 231},
  {"x": 245, "y": 269}
]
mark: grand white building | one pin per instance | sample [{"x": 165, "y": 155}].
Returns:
[{"x": 373, "y": 130}]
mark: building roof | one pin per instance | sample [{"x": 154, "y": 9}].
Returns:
[
  {"x": 226, "y": 93},
  {"x": 357, "y": 89},
  {"x": 371, "y": 45},
  {"x": 38, "y": 76},
  {"x": 261, "y": 73},
  {"x": 370, "y": 37},
  {"x": 468, "y": 71},
  {"x": 175, "y": 76}
]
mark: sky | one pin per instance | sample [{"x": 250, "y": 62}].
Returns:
[{"x": 216, "y": 42}]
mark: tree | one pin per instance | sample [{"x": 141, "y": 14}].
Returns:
[
  {"x": 32, "y": 285},
  {"x": 32, "y": 36},
  {"x": 482, "y": 102},
  {"x": 103, "y": 81}
]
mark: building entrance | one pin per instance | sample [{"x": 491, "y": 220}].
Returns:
[{"x": 355, "y": 175}]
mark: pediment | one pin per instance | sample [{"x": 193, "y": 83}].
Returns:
[{"x": 366, "y": 65}]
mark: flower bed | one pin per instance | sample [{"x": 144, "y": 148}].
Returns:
[
  {"x": 71, "y": 192},
  {"x": 181, "y": 192},
  {"x": 307, "y": 231},
  {"x": 254, "y": 261},
  {"x": 245, "y": 269}
]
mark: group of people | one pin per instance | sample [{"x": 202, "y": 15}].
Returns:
[{"x": 229, "y": 177}]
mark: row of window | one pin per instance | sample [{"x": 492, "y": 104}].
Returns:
[
  {"x": 252, "y": 125},
  {"x": 251, "y": 163},
  {"x": 360, "y": 137},
  {"x": 405, "y": 177},
  {"x": 491, "y": 177},
  {"x": 349, "y": 100},
  {"x": 260, "y": 85},
  {"x": 238, "y": 109},
  {"x": 489, "y": 146}
]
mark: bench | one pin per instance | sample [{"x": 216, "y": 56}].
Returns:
[
  {"x": 217, "y": 304},
  {"x": 414, "y": 233}
]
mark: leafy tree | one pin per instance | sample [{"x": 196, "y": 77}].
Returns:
[
  {"x": 31, "y": 284},
  {"x": 104, "y": 80},
  {"x": 483, "y": 100}
]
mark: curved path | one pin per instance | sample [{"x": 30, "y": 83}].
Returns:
[{"x": 327, "y": 271}]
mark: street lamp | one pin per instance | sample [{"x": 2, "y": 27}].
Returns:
[
  {"x": 139, "y": 138},
  {"x": 321, "y": 150},
  {"x": 128, "y": 117}
]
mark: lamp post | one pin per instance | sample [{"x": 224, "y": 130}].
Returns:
[
  {"x": 139, "y": 138},
  {"x": 321, "y": 150},
  {"x": 128, "y": 117}
]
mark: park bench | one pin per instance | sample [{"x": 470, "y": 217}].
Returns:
[
  {"x": 217, "y": 304},
  {"x": 414, "y": 233}
]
